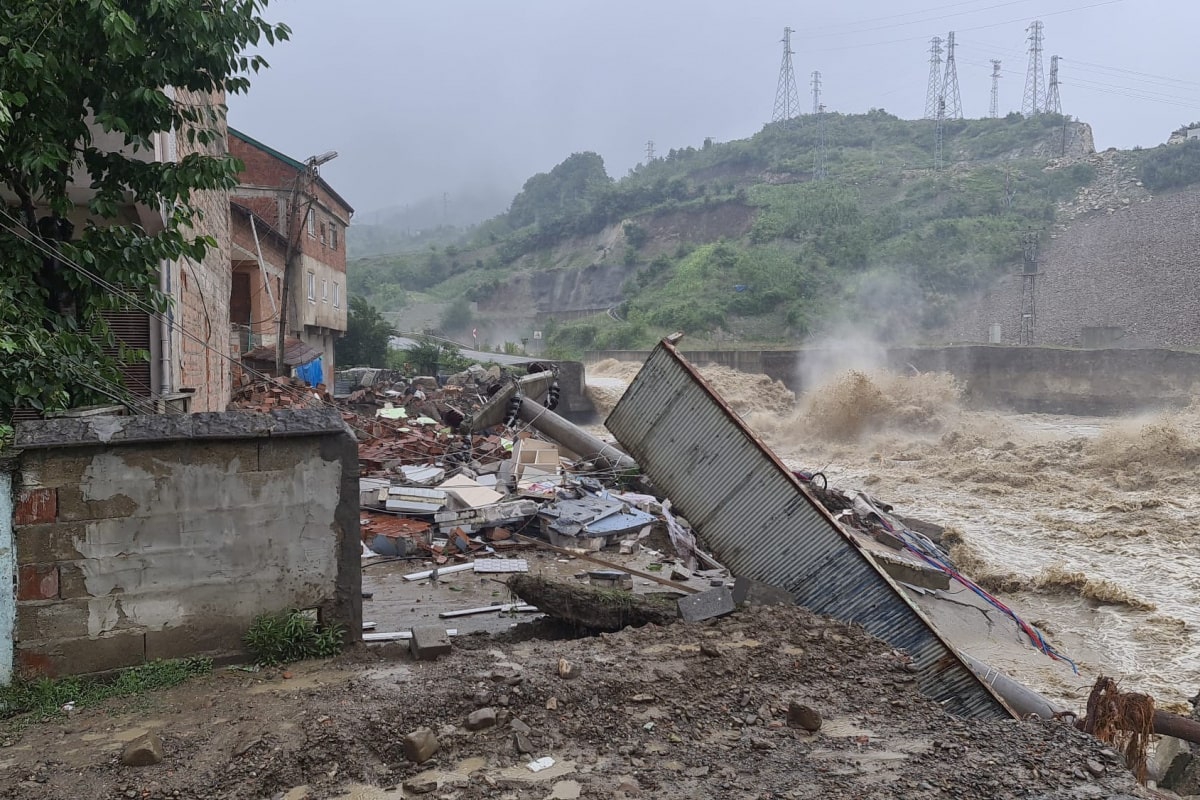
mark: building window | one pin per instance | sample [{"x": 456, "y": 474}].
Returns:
[
  {"x": 337, "y": 295},
  {"x": 312, "y": 287},
  {"x": 322, "y": 233},
  {"x": 312, "y": 224},
  {"x": 324, "y": 291},
  {"x": 333, "y": 235}
]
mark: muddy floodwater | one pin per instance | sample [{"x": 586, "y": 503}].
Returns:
[{"x": 1087, "y": 527}]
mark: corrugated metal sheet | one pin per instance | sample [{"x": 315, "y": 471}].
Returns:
[{"x": 751, "y": 511}]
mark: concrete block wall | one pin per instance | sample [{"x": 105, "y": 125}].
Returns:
[{"x": 162, "y": 537}]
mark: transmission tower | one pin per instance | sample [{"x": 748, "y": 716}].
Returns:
[
  {"x": 820, "y": 170},
  {"x": 995, "y": 107},
  {"x": 787, "y": 97},
  {"x": 816, "y": 91},
  {"x": 939, "y": 134},
  {"x": 1032, "y": 103},
  {"x": 1053, "y": 102},
  {"x": 933, "y": 91},
  {"x": 649, "y": 150},
  {"x": 1029, "y": 289},
  {"x": 950, "y": 82}
]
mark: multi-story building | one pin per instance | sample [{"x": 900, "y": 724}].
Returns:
[{"x": 287, "y": 221}]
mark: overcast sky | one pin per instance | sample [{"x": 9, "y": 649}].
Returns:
[{"x": 422, "y": 97}]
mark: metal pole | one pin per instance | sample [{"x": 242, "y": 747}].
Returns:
[{"x": 574, "y": 438}]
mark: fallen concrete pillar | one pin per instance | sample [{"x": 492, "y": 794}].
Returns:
[
  {"x": 1020, "y": 698},
  {"x": 1181, "y": 727},
  {"x": 534, "y": 385},
  {"x": 574, "y": 438}
]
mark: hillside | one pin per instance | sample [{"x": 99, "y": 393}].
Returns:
[{"x": 737, "y": 241}]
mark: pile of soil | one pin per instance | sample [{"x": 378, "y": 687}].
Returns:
[{"x": 684, "y": 711}]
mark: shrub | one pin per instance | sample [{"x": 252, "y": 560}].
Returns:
[{"x": 289, "y": 636}]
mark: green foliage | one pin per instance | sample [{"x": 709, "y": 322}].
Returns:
[
  {"x": 111, "y": 64},
  {"x": 1170, "y": 166},
  {"x": 291, "y": 635},
  {"x": 635, "y": 235},
  {"x": 367, "y": 334},
  {"x": 45, "y": 697},
  {"x": 6, "y": 435},
  {"x": 429, "y": 357}
]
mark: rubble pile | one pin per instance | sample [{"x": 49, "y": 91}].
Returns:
[{"x": 269, "y": 394}]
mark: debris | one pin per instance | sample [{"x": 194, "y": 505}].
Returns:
[
  {"x": 540, "y": 764},
  {"x": 500, "y": 565},
  {"x": 630, "y": 546},
  {"x": 441, "y": 571},
  {"x": 804, "y": 717},
  {"x": 708, "y": 604},
  {"x": 1124, "y": 719},
  {"x": 710, "y": 650},
  {"x": 143, "y": 751},
  {"x": 429, "y": 642},
  {"x": 680, "y": 573},
  {"x": 591, "y": 609},
  {"x": 502, "y": 608},
  {"x": 552, "y": 704},
  {"x": 481, "y": 718},
  {"x": 421, "y": 784},
  {"x": 396, "y": 636},
  {"x": 610, "y": 579},
  {"x": 420, "y": 745}
]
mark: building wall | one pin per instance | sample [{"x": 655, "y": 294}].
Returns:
[
  {"x": 325, "y": 307},
  {"x": 8, "y": 563},
  {"x": 264, "y": 304},
  {"x": 163, "y": 537},
  {"x": 202, "y": 343}
]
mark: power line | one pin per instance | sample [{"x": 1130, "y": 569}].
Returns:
[
  {"x": 826, "y": 32},
  {"x": 950, "y": 91},
  {"x": 994, "y": 108},
  {"x": 1031, "y": 103},
  {"x": 787, "y": 97},
  {"x": 933, "y": 89}
]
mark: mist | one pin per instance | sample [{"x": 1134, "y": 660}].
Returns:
[{"x": 444, "y": 103}]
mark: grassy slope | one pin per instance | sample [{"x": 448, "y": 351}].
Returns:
[{"x": 885, "y": 239}]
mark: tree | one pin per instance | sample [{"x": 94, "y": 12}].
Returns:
[
  {"x": 367, "y": 333},
  {"x": 71, "y": 69}
]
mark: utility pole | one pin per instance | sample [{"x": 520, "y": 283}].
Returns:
[
  {"x": 995, "y": 107},
  {"x": 820, "y": 170},
  {"x": 1029, "y": 289},
  {"x": 933, "y": 90},
  {"x": 1032, "y": 102},
  {"x": 301, "y": 187},
  {"x": 816, "y": 92},
  {"x": 787, "y": 97},
  {"x": 950, "y": 91},
  {"x": 1053, "y": 101},
  {"x": 649, "y": 150}
]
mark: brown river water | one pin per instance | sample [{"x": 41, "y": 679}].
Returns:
[{"x": 1087, "y": 527}]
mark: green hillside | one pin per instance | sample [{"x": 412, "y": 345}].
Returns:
[{"x": 737, "y": 240}]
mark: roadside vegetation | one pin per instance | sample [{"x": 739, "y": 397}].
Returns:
[
  {"x": 292, "y": 635},
  {"x": 49, "y": 697}
]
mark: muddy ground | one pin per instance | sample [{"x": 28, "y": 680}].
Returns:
[{"x": 684, "y": 711}]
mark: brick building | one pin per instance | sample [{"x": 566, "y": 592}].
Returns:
[{"x": 287, "y": 220}]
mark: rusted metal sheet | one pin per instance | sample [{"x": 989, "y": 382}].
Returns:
[{"x": 747, "y": 506}]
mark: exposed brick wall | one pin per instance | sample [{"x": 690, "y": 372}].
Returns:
[
  {"x": 263, "y": 305},
  {"x": 1137, "y": 269},
  {"x": 169, "y": 539}
]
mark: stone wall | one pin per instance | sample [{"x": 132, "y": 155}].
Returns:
[
  {"x": 1040, "y": 379},
  {"x": 140, "y": 538},
  {"x": 1134, "y": 270}
]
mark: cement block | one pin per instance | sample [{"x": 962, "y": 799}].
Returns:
[
  {"x": 285, "y": 454},
  {"x": 37, "y": 582},
  {"x": 36, "y": 507},
  {"x": 706, "y": 605},
  {"x": 428, "y": 642},
  {"x": 228, "y": 456},
  {"x": 759, "y": 593},
  {"x": 48, "y": 621},
  {"x": 38, "y": 544},
  {"x": 216, "y": 639},
  {"x": 912, "y": 572},
  {"x": 84, "y": 656},
  {"x": 73, "y": 507}
]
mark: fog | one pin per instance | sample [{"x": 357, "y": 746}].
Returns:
[{"x": 454, "y": 103}]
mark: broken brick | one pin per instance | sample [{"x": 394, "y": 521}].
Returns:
[{"x": 36, "y": 507}]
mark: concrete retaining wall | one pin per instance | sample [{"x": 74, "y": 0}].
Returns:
[
  {"x": 1040, "y": 379},
  {"x": 161, "y": 537}
]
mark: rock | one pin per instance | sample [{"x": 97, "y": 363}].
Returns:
[
  {"x": 481, "y": 718},
  {"x": 483, "y": 698},
  {"x": 552, "y": 704},
  {"x": 1095, "y": 767},
  {"x": 629, "y": 785},
  {"x": 567, "y": 670},
  {"x": 679, "y": 573},
  {"x": 420, "y": 745},
  {"x": 523, "y": 743},
  {"x": 802, "y": 716},
  {"x": 710, "y": 650},
  {"x": 143, "y": 751},
  {"x": 419, "y": 785},
  {"x": 518, "y": 725}
]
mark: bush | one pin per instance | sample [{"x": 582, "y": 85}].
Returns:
[
  {"x": 1172, "y": 165},
  {"x": 291, "y": 635}
]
